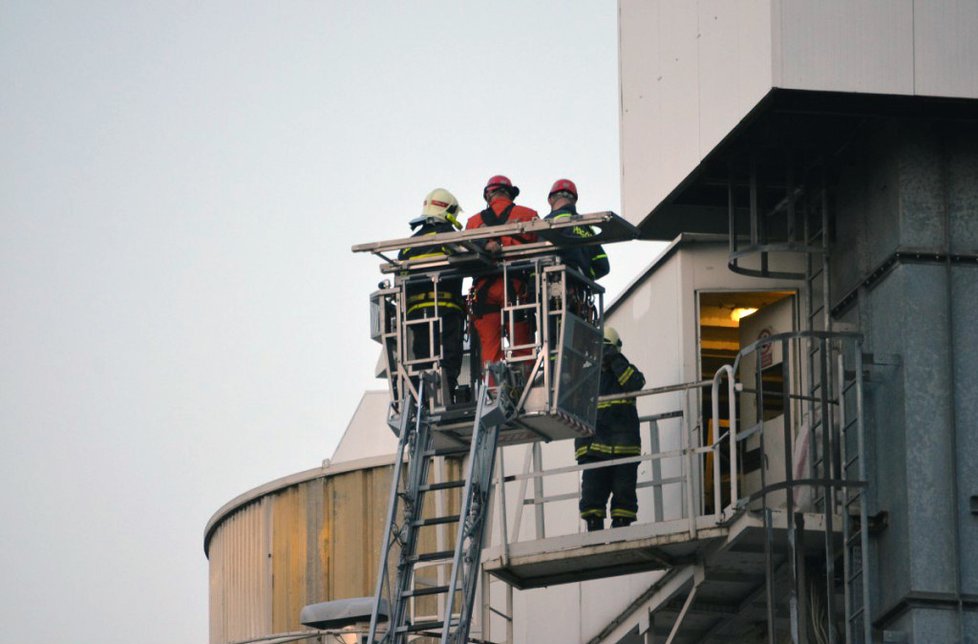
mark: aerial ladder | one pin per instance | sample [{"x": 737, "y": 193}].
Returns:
[{"x": 430, "y": 560}]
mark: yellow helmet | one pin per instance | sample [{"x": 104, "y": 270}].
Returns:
[
  {"x": 442, "y": 205},
  {"x": 611, "y": 336}
]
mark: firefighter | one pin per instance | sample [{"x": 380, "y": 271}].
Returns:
[
  {"x": 616, "y": 436},
  {"x": 591, "y": 261},
  {"x": 444, "y": 300},
  {"x": 487, "y": 301}
]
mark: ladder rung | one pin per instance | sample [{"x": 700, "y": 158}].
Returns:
[
  {"x": 421, "y": 592},
  {"x": 435, "y": 521},
  {"x": 445, "y": 485},
  {"x": 432, "y": 556},
  {"x": 420, "y": 626}
]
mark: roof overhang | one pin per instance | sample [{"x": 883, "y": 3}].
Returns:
[{"x": 805, "y": 126}]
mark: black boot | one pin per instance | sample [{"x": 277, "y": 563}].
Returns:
[
  {"x": 594, "y": 524},
  {"x": 620, "y": 522}
]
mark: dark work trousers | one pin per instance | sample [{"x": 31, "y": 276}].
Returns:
[
  {"x": 615, "y": 480},
  {"x": 451, "y": 341}
]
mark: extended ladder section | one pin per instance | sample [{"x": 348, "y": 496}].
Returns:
[{"x": 444, "y": 597}]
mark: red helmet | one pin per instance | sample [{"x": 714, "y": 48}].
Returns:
[
  {"x": 563, "y": 185},
  {"x": 499, "y": 181}
]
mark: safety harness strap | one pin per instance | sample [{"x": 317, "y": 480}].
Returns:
[{"x": 490, "y": 218}]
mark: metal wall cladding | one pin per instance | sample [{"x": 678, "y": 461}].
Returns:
[
  {"x": 309, "y": 542},
  {"x": 909, "y": 191},
  {"x": 312, "y": 539}
]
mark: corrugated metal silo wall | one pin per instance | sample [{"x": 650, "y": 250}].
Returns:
[{"x": 310, "y": 542}]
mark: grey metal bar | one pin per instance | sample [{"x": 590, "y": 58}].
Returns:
[
  {"x": 612, "y": 228},
  {"x": 538, "y": 492},
  {"x": 829, "y": 496},
  {"x": 789, "y": 491},
  {"x": 682, "y": 613},
  {"x": 863, "y": 510}
]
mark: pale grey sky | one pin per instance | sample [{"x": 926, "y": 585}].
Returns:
[{"x": 181, "y": 318}]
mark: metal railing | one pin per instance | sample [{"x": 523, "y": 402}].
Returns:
[
  {"x": 550, "y": 297},
  {"x": 763, "y": 463},
  {"x": 675, "y": 459}
]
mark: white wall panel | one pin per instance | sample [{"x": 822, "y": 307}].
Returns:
[
  {"x": 690, "y": 71},
  {"x": 735, "y": 65},
  {"x": 845, "y": 45},
  {"x": 946, "y": 48},
  {"x": 659, "y": 101}
]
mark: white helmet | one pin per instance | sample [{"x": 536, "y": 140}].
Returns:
[
  {"x": 611, "y": 336},
  {"x": 442, "y": 205}
]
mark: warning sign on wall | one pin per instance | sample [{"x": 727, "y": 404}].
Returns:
[{"x": 767, "y": 350}]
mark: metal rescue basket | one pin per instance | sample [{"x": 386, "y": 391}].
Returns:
[{"x": 552, "y": 378}]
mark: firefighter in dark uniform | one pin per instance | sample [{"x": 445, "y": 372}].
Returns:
[
  {"x": 424, "y": 300},
  {"x": 591, "y": 261},
  {"x": 616, "y": 436}
]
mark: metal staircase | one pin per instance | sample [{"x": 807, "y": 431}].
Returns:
[{"x": 405, "y": 587}]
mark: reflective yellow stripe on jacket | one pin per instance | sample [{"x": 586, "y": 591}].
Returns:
[
  {"x": 443, "y": 252},
  {"x": 605, "y": 404},
  {"x": 608, "y": 450},
  {"x": 625, "y": 375},
  {"x": 427, "y": 300}
]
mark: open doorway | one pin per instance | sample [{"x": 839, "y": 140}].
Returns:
[{"x": 728, "y": 321}]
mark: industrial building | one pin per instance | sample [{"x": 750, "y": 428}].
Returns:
[{"x": 807, "y": 470}]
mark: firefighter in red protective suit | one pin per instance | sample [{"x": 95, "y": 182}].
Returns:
[
  {"x": 488, "y": 291},
  {"x": 617, "y": 436}
]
